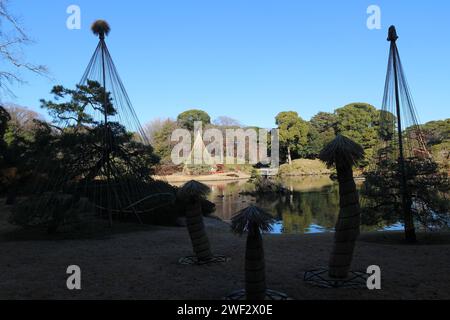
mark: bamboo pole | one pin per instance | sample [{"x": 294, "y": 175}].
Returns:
[{"x": 410, "y": 232}]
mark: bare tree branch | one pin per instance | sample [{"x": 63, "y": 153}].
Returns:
[{"x": 11, "y": 43}]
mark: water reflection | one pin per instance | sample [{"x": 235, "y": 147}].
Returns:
[
  {"x": 311, "y": 208},
  {"x": 228, "y": 199}
]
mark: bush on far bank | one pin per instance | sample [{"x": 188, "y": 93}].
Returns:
[{"x": 304, "y": 167}]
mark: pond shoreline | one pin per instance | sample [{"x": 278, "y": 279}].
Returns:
[
  {"x": 225, "y": 177},
  {"x": 236, "y": 177},
  {"x": 303, "y": 175}
]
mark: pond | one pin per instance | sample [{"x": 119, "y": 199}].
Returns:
[{"x": 312, "y": 206}]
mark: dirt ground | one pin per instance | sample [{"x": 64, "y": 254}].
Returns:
[
  {"x": 220, "y": 177},
  {"x": 141, "y": 263}
]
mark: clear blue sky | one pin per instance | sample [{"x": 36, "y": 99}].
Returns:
[{"x": 247, "y": 59}]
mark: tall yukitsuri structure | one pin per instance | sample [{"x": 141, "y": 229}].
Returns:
[
  {"x": 404, "y": 180},
  {"x": 397, "y": 100},
  {"x": 100, "y": 152},
  {"x": 101, "y": 69}
]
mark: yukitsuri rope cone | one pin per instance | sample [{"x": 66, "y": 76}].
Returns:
[
  {"x": 253, "y": 220},
  {"x": 109, "y": 158},
  {"x": 122, "y": 196},
  {"x": 192, "y": 194},
  {"x": 403, "y": 168},
  {"x": 344, "y": 154}
]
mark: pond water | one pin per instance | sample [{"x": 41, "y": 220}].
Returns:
[{"x": 312, "y": 207}]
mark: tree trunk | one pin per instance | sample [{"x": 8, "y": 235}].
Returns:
[
  {"x": 348, "y": 225},
  {"x": 196, "y": 228},
  {"x": 410, "y": 230},
  {"x": 289, "y": 156},
  {"x": 255, "y": 269},
  {"x": 11, "y": 196}
]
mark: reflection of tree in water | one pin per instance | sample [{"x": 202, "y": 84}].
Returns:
[
  {"x": 313, "y": 202},
  {"x": 300, "y": 210},
  {"x": 317, "y": 205},
  {"x": 228, "y": 199},
  {"x": 297, "y": 216}
]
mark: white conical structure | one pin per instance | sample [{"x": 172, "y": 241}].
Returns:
[{"x": 199, "y": 154}]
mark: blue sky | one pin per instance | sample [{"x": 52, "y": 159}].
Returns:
[{"x": 247, "y": 59}]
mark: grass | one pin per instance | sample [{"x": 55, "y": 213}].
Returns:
[{"x": 304, "y": 167}]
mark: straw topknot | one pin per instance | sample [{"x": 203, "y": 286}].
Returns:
[
  {"x": 100, "y": 28},
  {"x": 392, "y": 34}
]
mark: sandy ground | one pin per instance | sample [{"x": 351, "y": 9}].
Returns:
[
  {"x": 142, "y": 264},
  {"x": 180, "y": 178}
]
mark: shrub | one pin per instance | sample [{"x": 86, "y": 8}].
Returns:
[
  {"x": 264, "y": 186},
  {"x": 52, "y": 210},
  {"x": 428, "y": 191},
  {"x": 167, "y": 170},
  {"x": 304, "y": 167},
  {"x": 198, "y": 170}
]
